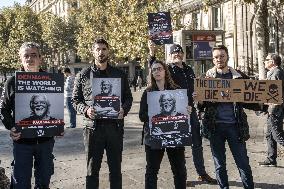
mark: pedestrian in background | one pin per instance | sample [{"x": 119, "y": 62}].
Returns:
[
  {"x": 101, "y": 134},
  {"x": 139, "y": 82},
  {"x": 27, "y": 151},
  {"x": 274, "y": 133},
  {"x": 183, "y": 76},
  {"x": 68, "y": 90},
  {"x": 134, "y": 83},
  {"x": 160, "y": 80}
]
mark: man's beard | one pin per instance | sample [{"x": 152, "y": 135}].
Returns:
[
  {"x": 103, "y": 59},
  {"x": 107, "y": 91},
  {"x": 40, "y": 114},
  {"x": 168, "y": 109},
  {"x": 221, "y": 66},
  {"x": 177, "y": 59}
]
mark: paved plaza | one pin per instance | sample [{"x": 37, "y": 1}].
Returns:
[{"x": 70, "y": 163}]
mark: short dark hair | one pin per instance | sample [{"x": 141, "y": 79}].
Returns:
[
  {"x": 276, "y": 59},
  {"x": 221, "y": 47},
  {"x": 100, "y": 41},
  {"x": 66, "y": 70}
]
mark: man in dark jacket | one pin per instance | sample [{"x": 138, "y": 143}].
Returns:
[
  {"x": 101, "y": 134},
  {"x": 183, "y": 76},
  {"x": 27, "y": 150},
  {"x": 227, "y": 121},
  {"x": 274, "y": 133}
]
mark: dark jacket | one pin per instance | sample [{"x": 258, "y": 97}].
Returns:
[
  {"x": 276, "y": 73},
  {"x": 210, "y": 112},
  {"x": 8, "y": 112},
  {"x": 184, "y": 77},
  {"x": 82, "y": 93}
]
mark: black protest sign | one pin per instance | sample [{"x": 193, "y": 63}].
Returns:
[
  {"x": 160, "y": 28},
  {"x": 39, "y": 104},
  {"x": 169, "y": 120},
  {"x": 239, "y": 90},
  {"x": 106, "y": 97}
]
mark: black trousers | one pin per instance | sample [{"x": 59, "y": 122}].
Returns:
[
  {"x": 107, "y": 137},
  {"x": 177, "y": 160}
]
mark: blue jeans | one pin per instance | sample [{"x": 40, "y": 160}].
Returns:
[
  {"x": 71, "y": 111},
  {"x": 229, "y": 132},
  {"x": 177, "y": 160},
  {"x": 197, "y": 149},
  {"x": 28, "y": 155}
]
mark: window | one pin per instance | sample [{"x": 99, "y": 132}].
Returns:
[
  {"x": 55, "y": 9},
  {"x": 194, "y": 20},
  {"x": 63, "y": 5},
  {"x": 216, "y": 15}
]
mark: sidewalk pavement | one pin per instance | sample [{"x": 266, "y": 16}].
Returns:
[{"x": 70, "y": 163}]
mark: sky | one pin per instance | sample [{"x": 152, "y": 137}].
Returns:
[{"x": 5, "y": 3}]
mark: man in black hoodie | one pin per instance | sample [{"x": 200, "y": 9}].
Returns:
[
  {"x": 27, "y": 150},
  {"x": 101, "y": 134}
]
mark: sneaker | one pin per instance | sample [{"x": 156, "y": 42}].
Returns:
[
  {"x": 267, "y": 163},
  {"x": 207, "y": 178}
]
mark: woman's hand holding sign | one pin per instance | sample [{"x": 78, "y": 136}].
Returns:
[{"x": 15, "y": 135}]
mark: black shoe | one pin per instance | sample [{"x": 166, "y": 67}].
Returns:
[
  {"x": 206, "y": 178},
  {"x": 267, "y": 163}
]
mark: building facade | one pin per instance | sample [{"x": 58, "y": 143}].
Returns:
[
  {"x": 57, "y": 7},
  {"x": 238, "y": 22}
]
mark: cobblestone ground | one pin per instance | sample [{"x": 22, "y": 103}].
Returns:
[{"x": 70, "y": 164}]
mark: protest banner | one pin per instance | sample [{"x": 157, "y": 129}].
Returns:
[
  {"x": 106, "y": 97},
  {"x": 168, "y": 118},
  {"x": 238, "y": 90},
  {"x": 39, "y": 104},
  {"x": 160, "y": 28}
]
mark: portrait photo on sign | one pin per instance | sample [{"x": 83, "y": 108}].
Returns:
[
  {"x": 106, "y": 95},
  {"x": 38, "y": 106},
  {"x": 168, "y": 118}
]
